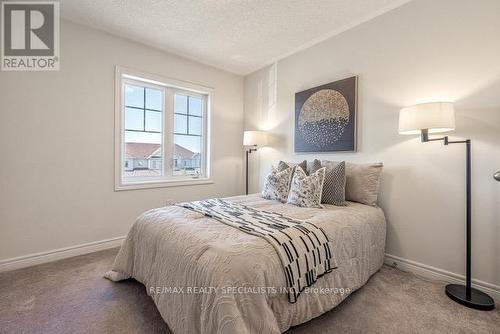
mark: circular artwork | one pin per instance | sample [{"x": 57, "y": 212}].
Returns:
[{"x": 323, "y": 117}]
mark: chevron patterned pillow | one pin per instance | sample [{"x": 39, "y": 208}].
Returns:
[{"x": 334, "y": 187}]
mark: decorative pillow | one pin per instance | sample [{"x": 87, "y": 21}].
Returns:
[
  {"x": 284, "y": 165},
  {"x": 277, "y": 183},
  {"x": 306, "y": 190},
  {"x": 313, "y": 166},
  {"x": 335, "y": 180},
  {"x": 362, "y": 182}
]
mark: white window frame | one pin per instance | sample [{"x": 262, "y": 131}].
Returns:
[{"x": 170, "y": 87}]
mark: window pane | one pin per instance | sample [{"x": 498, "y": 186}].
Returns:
[
  {"x": 143, "y": 151},
  {"x": 187, "y": 155},
  {"x": 154, "y": 99},
  {"x": 134, "y": 119},
  {"x": 180, "y": 104},
  {"x": 153, "y": 121},
  {"x": 134, "y": 96},
  {"x": 195, "y": 125},
  {"x": 180, "y": 124},
  {"x": 195, "y": 106},
  {"x": 142, "y": 159}
]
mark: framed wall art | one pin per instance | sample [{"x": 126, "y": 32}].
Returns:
[{"x": 325, "y": 117}]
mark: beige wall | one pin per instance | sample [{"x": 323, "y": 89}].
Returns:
[
  {"x": 57, "y": 144},
  {"x": 424, "y": 51}
]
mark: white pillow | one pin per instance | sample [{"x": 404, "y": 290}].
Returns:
[
  {"x": 276, "y": 184},
  {"x": 306, "y": 190}
]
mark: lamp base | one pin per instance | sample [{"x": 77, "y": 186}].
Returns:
[{"x": 478, "y": 300}]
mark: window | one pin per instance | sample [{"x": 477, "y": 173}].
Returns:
[{"x": 162, "y": 132}]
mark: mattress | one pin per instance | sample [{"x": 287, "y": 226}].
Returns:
[{"x": 207, "y": 277}]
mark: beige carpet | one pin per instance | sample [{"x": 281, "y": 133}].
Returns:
[{"x": 70, "y": 296}]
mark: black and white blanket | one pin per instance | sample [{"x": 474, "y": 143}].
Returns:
[{"x": 303, "y": 248}]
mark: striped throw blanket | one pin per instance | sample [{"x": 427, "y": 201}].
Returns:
[{"x": 303, "y": 248}]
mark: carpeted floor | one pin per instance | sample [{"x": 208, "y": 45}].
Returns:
[{"x": 70, "y": 296}]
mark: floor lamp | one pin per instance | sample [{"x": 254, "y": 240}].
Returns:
[
  {"x": 437, "y": 117},
  {"x": 252, "y": 140}
]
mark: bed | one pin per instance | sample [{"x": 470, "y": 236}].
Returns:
[{"x": 207, "y": 277}]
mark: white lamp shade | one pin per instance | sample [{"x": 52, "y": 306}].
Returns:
[
  {"x": 254, "y": 138},
  {"x": 436, "y": 117}
]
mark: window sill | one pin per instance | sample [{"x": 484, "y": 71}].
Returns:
[{"x": 162, "y": 184}]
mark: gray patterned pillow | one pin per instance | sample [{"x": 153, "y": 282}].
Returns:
[
  {"x": 335, "y": 180},
  {"x": 306, "y": 190},
  {"x": 284, "y": 165},
  {"x": 314, "y": 166},
  {"x": 277, "y": 183}
]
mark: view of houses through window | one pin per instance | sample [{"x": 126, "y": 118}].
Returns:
[
  {"x": 143, "y": 107},
  {"x": 144, "y": 137},
  {"x": 188, "y": 129}
]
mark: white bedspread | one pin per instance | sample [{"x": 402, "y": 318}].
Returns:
[{"x": 208, "y": 277}]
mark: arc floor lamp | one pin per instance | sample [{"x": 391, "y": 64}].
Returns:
[
  {"x": 252, "y": 140},
  {"x": 427, "y": 118}
]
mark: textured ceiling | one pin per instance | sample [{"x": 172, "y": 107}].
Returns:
[{"x": 240, "y": 36}]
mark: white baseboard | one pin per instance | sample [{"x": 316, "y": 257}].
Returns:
[
  {"x": 439, "y": 274},
  {"x": 58, "y": 254}
]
